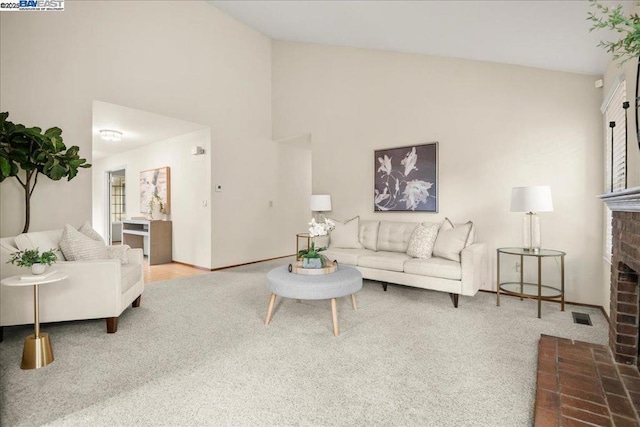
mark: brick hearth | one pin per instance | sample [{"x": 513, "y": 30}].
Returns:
[{"x": 579, "y": 384}]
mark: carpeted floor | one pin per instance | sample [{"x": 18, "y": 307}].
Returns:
[{"x": 197, "y": 352}]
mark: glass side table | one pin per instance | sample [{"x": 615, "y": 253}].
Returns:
[{"x": 537, "y": 290}]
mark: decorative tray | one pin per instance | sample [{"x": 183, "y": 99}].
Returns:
[{"x": 330, "y": 267}]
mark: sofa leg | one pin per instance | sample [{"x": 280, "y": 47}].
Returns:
[
  {"x": 1, "y": 333},
  {"x": 384, "y": 286},
  {"x": 112, "y": 325},
  {"x": 136, "y": 302},
  {"x": 454, "y": 299}
]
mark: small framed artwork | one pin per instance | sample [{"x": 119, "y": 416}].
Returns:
[
  {"x": 155, "y": 181},
  {"x": 406, "y": 179}
]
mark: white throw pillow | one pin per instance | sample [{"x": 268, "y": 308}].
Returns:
[
  {"x": 451, "y": 240},
  {"x": 88, "y": 231},
  {"x": 77, "y": 247},
  {"x": 345, "y": 235},
  {"x": 422, "y": 240},
  {"x": 472, "y": 233}
]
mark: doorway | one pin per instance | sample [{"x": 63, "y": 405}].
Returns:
[{"x": 116, "y": 207}]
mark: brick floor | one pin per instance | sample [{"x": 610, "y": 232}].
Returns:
[{"x": 579, "y": 384}]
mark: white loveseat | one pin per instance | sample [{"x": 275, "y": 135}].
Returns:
[
  {"x": 94, "y": 289},
  {"x": 382, "y": 257}
]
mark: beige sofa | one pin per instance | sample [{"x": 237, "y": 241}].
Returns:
[
  {"x": 94, "y": 289},
  {"x": 382, "y": 257}
]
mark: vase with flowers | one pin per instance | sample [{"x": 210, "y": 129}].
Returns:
[
  {"x": 311, "y": 257},
  {"x": 156, "y": 206}
]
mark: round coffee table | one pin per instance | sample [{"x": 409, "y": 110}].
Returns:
[{"x": 345, "y": 281}]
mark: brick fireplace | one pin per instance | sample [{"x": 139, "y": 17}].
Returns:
[
  {"x": 625, "y": 265},
  {"x": 582, "y": 384}
]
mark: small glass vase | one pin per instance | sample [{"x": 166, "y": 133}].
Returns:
[
  {"x": 37, "y": 269},
  {"x": 311, "y": 263}
]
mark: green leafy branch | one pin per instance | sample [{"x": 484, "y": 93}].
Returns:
[{"x": 614, "y": 19}]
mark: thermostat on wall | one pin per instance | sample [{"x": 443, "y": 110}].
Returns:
[{"x": 197, "y": 150}]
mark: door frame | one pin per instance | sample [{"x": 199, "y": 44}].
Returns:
[{"x": 107, "y": 200}]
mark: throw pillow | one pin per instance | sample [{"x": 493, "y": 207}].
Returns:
[
  {"x": 120, "y": 252},
  {"x": 422, "y": 240},
  {"x": 77, "y": 247},
  {"x": 88, "y": 231},
  {"x": 451, "y": 240},
  {"x": 472, "y": 233},
  {"x": 345, "y": 235}
]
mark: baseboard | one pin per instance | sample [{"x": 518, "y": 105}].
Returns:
[
  {"x": 565, "y": 301},
  {"x": 191, "y": 265},
  {"x": 251, "y": 262}
]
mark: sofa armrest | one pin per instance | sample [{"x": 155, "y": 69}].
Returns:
[
  {"x": 136, "y": 256},
  {"x": 474, "y": 268}
]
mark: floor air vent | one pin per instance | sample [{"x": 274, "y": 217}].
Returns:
[{"x": 581, "y": 318}]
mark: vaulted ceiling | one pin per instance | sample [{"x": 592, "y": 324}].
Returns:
[{"x": 544, "y": 34}]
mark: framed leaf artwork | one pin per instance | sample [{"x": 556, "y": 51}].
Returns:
[{"x": 406, "y": 179}]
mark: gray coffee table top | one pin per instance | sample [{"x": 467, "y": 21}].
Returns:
[{"x": 345, "y": 281}]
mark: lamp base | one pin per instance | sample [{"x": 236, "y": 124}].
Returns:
[{"x": 531, "y": 232}]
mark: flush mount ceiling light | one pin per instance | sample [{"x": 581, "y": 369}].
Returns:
[{"x": 110, "y": 135}]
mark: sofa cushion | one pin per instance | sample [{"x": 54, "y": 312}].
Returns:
[
  {"x": 78, "y": 247},
  {"x": 383, "y": 260},
  {"x": 88, "y": 231},
  {"x": 130, "y": 274},
  {"x": 451, "y": 240},
  {"x": 422, "y": 240},
  {"x": 394, "y": 236},
  {"x": 368, "y": 234},
  {"x": 434, "y": 267},
  {"x": 43, "y": 240},
  {"x": 345, "y": 256},
  {"x": 345, "y": 235}
]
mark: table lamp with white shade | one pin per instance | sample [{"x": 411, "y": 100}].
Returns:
[
  {"x": 320, "y": 203},
  {"x": 531, "y": 200}
]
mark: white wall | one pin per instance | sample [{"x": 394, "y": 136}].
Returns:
[
  {"x": 185, "y": 60},
  {"x": 498, "y": 126},
  {"x": 190, "y": 185}
]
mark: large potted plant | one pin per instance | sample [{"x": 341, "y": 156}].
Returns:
[{"x": 26, "y": 153}]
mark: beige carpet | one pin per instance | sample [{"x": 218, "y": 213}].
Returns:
[{"x": 197, "y": 353}]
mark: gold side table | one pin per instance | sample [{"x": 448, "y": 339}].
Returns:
[
  {"x": 37, "y": 351},
  {"x": 302, "y": 236},
  {"x": 537, "y": 290}
]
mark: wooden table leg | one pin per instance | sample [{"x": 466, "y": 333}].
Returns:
[
  {"x": 270, "y": 309},
  {"x": 353, "y": 301},
  {"x": 334, "y": 311}
]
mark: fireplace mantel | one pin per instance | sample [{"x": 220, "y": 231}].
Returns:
[{"x": 623, "y": 201}]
